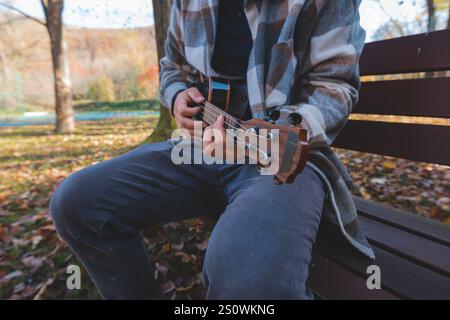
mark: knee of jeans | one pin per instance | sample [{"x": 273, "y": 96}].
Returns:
[
  {"x": 229, "y": 274},
  {"x": 67, "y": 202}
]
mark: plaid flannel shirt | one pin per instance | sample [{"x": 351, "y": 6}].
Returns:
[{"x": 304, "y": 59}]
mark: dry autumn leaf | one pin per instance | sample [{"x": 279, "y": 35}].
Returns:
[{"x": 389, "y": 165}]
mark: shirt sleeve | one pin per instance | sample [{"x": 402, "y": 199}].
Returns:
[
  {"x": 330, "y": 76},
  {"x": 175, "y": 71}
]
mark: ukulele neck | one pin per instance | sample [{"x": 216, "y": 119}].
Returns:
[{"x": 211, "y": 113}]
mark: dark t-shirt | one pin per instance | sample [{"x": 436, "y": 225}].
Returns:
[{"x": 233, "y": 39}]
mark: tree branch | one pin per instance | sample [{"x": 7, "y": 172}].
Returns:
[
  {"x": 45, "y": 8},
  {"x": 394, "y": 22},
  {"x": 26, "y": 15}
]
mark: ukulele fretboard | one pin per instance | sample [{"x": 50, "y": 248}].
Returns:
[{"x": 212, "y": 112}]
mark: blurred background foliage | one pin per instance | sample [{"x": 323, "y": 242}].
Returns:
[{"x": 117, "y": 64}]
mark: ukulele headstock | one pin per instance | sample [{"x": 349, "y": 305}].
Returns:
[{"x": 286, "y": 146}]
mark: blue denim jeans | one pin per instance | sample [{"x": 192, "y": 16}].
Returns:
[{"x": 260, "y": 247}]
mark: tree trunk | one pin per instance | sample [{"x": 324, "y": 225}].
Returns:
[
  {"x": 4, "y": 78},
  {"x": 4, "y": 66},
  {"x": 65, "y": 122},
  {"x": 161, "y": 13},
  {"x": 431, "y": 26},
  {"x": 448, "y": 19}
]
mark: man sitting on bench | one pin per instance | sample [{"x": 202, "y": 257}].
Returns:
[{"x": 298, "y": 57}]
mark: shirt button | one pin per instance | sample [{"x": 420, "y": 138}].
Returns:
[{"x": 244, "y": 99}]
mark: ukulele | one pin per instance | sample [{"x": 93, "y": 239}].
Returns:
[{"x": 292, "y": 146}]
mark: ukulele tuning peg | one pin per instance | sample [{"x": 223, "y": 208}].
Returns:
[
  {"x": 264, "y": 160},
  {"x": 274, "y": 115},
  {"x": 294, "y": 119},
  {"x": 265, "y": 156},
  {"x": 272, "y": 134},
  {"x": 254, "y": 130}
]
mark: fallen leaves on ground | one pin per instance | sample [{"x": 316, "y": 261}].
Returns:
[
  {"x": 421, "y": 188},
  {"x": 33, "y": 161}
]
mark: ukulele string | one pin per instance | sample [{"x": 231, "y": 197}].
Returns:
[
  {"x": 243, "y": 142},
  {"x": 213, "y": 116},
  {"x": 209, "y": 118},
  {"x": 216, "y": 114},
  {"x": 216, "y": 111}
]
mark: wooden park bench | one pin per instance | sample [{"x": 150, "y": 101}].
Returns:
[{"x": 412, "y": 252}]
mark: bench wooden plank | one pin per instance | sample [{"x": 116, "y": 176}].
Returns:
[
  {"x": 412, "y": 252},
  {"x": 422, "y": 52},
  {"x": 425, "y": 143},
  {"x": 419, "y": 250},
  {"x": 414, "y": 97},
  {"x": 331, "y": 281},
  {"x": 404, "y": 220},
  {"x": 399, "y": 276}
]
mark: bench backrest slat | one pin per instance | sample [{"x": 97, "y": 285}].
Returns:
[
  {"x": 427, "y": 97},
  {"x": 417, "y": 53},
  {"x": 415, "y": 97},
  {"x": 425, "y": 143}
]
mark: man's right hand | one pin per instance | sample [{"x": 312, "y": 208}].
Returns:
[{"x": 184, "y": 108}]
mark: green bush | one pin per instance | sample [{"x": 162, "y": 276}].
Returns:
[{"x": 102, "y": 90}]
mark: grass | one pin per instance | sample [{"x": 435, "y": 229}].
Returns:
[
  {"x": 133, "y": 105},
  {"x": 88, "y": 106}
]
